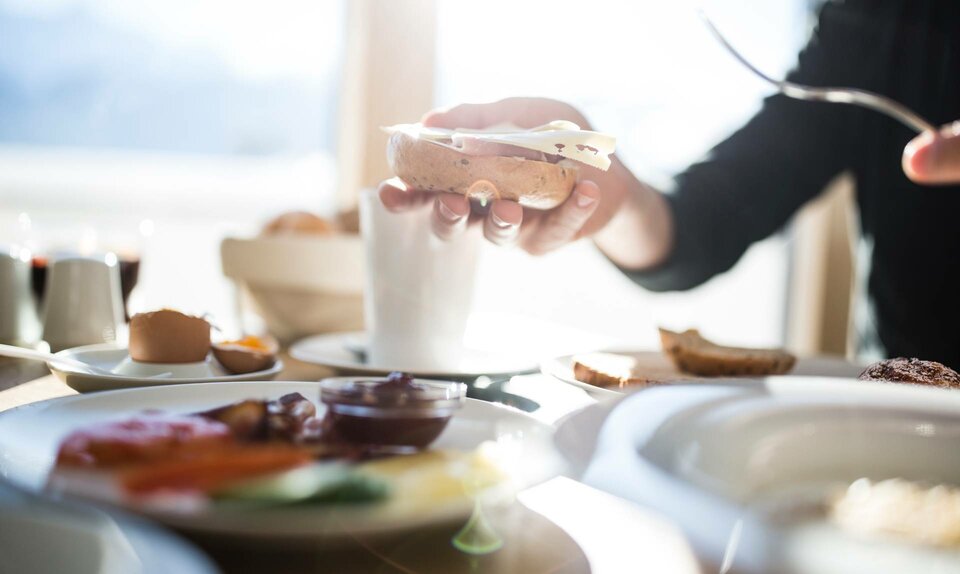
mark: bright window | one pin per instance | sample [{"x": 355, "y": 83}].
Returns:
[
  {"x": 159, "y": 127},
  {"x": 212, "y": 77}
]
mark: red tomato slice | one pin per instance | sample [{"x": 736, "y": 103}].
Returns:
[
  {"x": 141, "y": 439},
  {"x": 212, "y": 470}
]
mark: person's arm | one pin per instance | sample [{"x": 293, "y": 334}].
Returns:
[
  {"x": 632, "y": 219},
  {"x": 753, "y": 182},
  {"x": 639, "y": 232},
  {"x": 744, "y": 191}
]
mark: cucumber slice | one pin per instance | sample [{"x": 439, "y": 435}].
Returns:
[{"x": 328, "y": 483}]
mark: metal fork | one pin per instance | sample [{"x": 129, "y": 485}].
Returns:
[{"x": 862, "y": 98}]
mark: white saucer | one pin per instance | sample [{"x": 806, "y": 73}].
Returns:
[
  {"x": 562, "y": 368},
  {"x": 344, "y": 352},
  {"x": 131, "y": 373},
  {"x": 498, "y": 344}
]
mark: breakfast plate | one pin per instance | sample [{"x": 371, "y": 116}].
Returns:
[
  {"x": 115, "y": 359},
  {"x": 30, "y": 437},
  {"x": 656, "y": 362},
  {"x": 751, "y": 469}
]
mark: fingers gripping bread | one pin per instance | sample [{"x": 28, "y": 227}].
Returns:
[{"x": 432, "y": 167}]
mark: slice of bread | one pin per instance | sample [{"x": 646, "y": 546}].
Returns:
[
  {"x": 616, "y": 370},
  {"x": 433, "y": 167},
  {"x": 693, "y": 354}
]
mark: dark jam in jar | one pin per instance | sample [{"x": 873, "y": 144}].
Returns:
[{"x": 397, "y": 411}]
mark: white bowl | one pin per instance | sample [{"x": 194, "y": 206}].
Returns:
[
  {"x": 300, "y": 285},
  {"x": 745, "y": 466}
]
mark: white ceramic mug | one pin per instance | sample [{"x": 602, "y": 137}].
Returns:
[
  {"x": 82, "y": 303},
  {"x": 419, "y": 289},
  {"x": 19, "y": 324}
]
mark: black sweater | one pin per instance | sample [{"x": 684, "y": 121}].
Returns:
[{"x": 754, "y": 181}]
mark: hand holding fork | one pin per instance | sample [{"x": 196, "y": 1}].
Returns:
[{"x": 933, "y": 157}]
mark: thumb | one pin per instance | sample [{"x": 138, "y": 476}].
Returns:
[{"x": 934, "y": 158}]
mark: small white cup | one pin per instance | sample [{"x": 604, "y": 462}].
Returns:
[
  {"x": 419, "y": 289},
  {"x": 19, "y": 324},
  {"x": 82, "y": 303}
]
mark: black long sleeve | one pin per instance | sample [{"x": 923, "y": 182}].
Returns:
[
  {"x": 753, "y": 182},
  {"x": 750, "y": 185}
]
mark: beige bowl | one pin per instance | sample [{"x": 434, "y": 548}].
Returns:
[{"x": 300, "y": 286}]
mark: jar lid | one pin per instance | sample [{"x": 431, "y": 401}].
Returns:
[{"x": 394, "y": 391}]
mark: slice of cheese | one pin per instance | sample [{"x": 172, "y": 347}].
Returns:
[{"x": 560, "y": 137}]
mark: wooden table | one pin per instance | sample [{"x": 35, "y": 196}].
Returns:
[{"x": 561, "y": 526}]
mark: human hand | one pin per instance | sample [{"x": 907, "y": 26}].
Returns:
[
  {"x": 934, "y": 158},
  {"x": 506, "y": 222}
]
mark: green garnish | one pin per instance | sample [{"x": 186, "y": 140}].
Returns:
[{"x": 330, "y": 483}]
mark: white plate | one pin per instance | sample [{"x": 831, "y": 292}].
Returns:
[
  {"x": 40, "y": 536},
  {"x": 562, "y": 368},
  {"x": 722, "y": 457},
  {"x": 111, "y": 358},
  {"x": 340, "y": 351},
  {"x": 30, "y": 436},
  {"x": 498, "y": 344}
]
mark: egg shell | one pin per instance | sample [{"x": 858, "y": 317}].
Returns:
[
  {"x": 168, "y": 336},
  {"x": 239, "y": 359}
]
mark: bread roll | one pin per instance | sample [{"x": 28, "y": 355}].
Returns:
[{"x": 431, "y": 166}]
